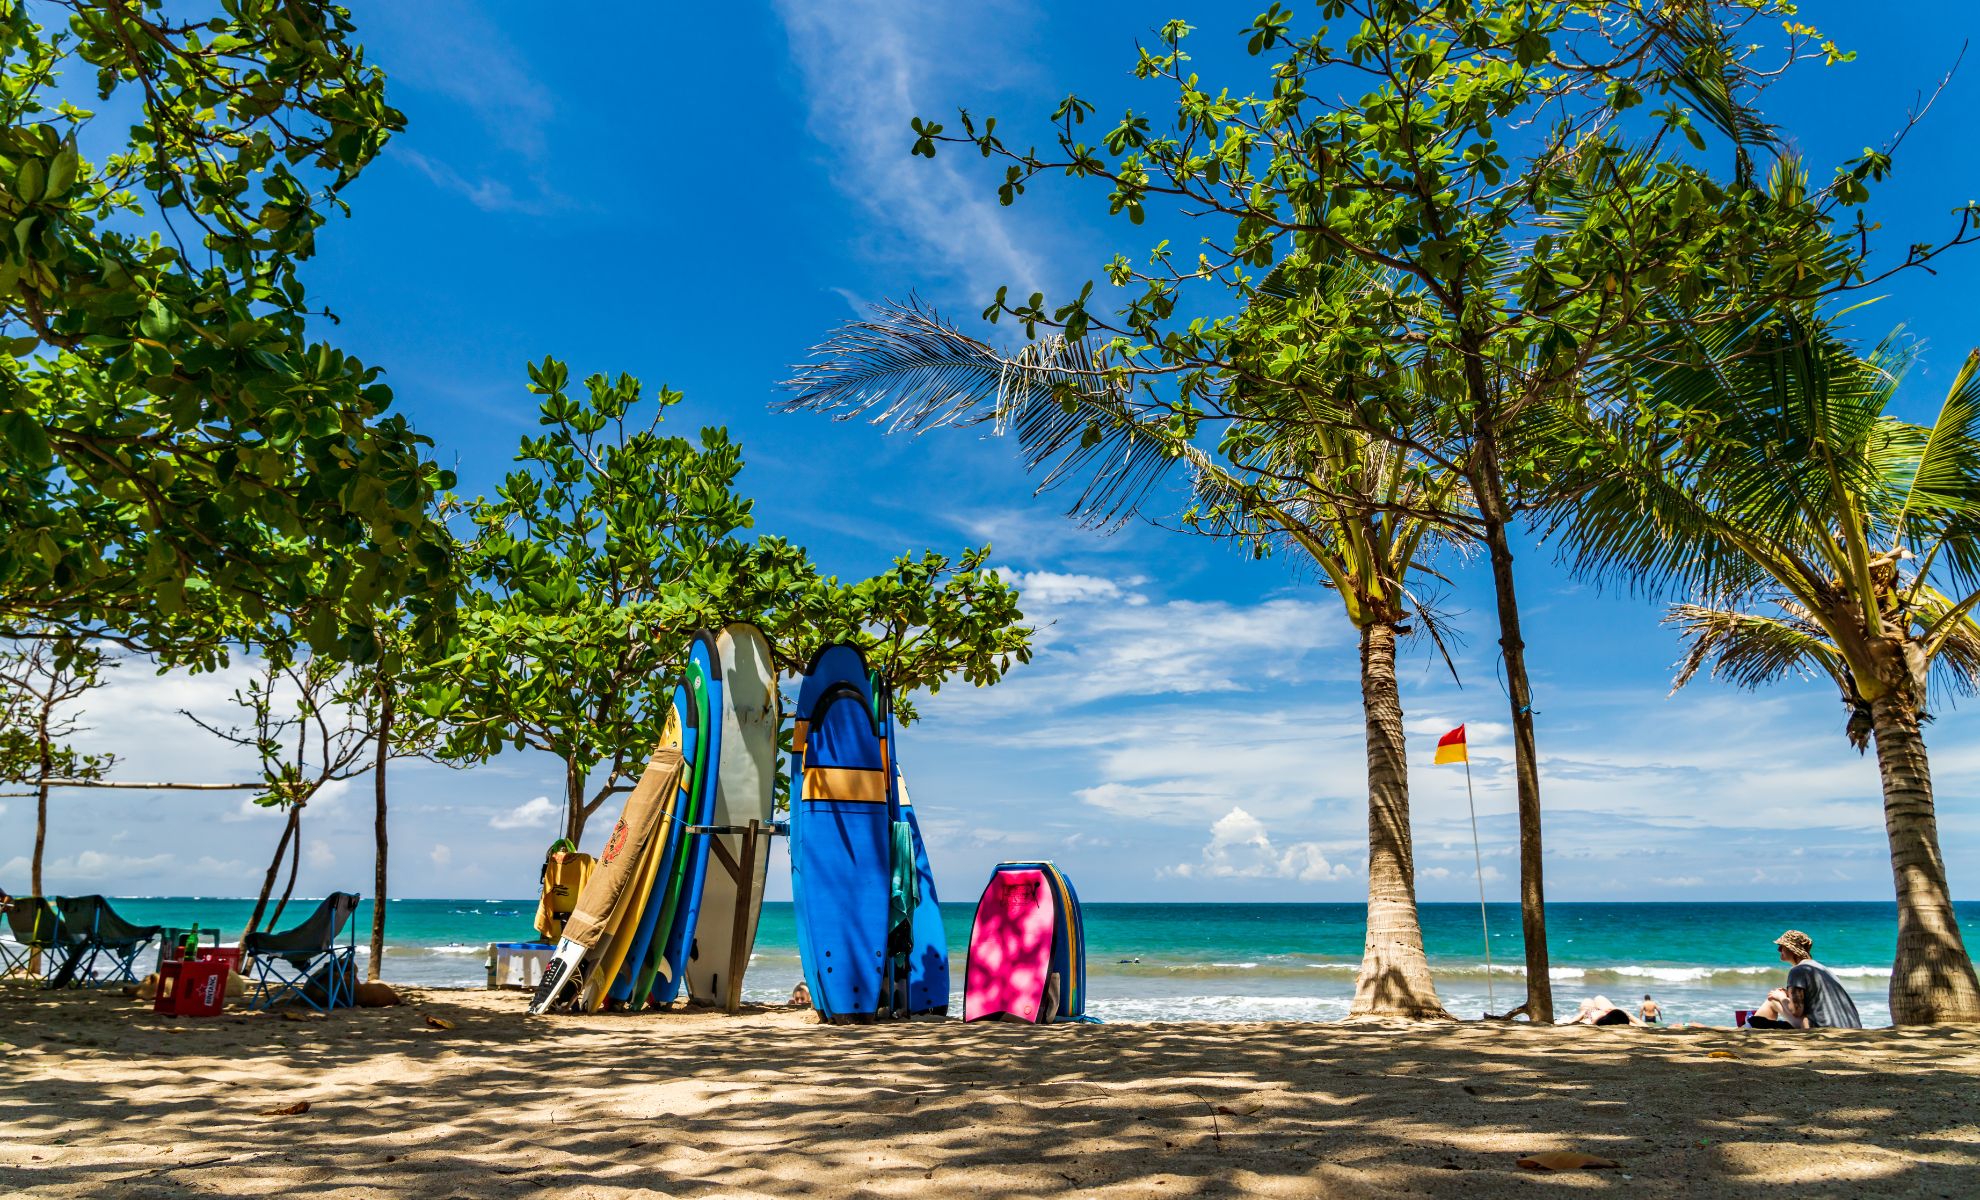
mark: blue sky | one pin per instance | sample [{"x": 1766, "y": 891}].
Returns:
[{"x": 698, "y": 197}]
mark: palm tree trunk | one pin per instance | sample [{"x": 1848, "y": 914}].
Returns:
[
  {"x": 1395, "y": 975},
  {"x": 1489, "y": 489},
  {"x": 1932, "y": 980},
  {"x": 378, "y": 836}
]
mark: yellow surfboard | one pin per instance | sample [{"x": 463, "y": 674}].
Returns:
[{"x": 625, "y": 922}]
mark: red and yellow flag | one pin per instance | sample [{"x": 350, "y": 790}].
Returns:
[{"x": 1451, "y": 749}]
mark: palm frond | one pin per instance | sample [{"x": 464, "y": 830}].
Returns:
[
  {"x": 1072, "y": 407},
  {"x": 1750, "y": 650},
  {"x": 1695, "y": 60},
  {"x": 1939, "y": 493},
  {"x": 1948, "y": 644}
]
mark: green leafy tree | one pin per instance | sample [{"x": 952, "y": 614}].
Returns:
[
  {"x": 1525, "y": 177},
  {"x": 613, "y": 542},
  {"x": 1363, "y": 514},
  {"x": 1817, "y": 533},
  {"x": 41, "y": 679},
  {"x": 179, "y": 450}
]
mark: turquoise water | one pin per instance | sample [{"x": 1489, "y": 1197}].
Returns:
[{"x": 1241, "y": 962}]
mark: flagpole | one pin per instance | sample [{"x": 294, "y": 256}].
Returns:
[{"x": 1478, "y": 861}]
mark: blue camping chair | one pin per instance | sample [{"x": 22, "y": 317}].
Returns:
[
  {"x": 34, "y": 924},
  {"x": 91, "y": 933},
  {"x": 305, "y": 962}
]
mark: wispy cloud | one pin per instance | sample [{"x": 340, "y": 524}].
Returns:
[
  {"x": 869, "y": 66},
  {"x": 485, "y": 193},
  {"x": 455, "y": 51},
  {"x": 464, "y": 55}
]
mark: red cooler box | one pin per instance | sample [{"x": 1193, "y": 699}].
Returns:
[{"x": 192, "y": 989}]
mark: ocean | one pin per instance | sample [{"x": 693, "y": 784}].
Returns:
[{"x": 1262, "y": 962}]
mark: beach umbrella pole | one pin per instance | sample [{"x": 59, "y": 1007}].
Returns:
[{"x": 1478, "y": 862}]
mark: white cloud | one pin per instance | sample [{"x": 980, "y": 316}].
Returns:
[
  {"x": 531, "y": 814},
  {"x": 1051, "y": 589},
  {"x": 1239, "y": 848},
  {"x": 94, "y": 866},
  {"x": 441, "y": 855},
  {"x": 868, "y": 69},
  {"x": 317, "y": 853},
  {"x": 1101, "y": 640}
]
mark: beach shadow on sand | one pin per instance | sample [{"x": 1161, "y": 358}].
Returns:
[{"x": 103, "y": 1098}]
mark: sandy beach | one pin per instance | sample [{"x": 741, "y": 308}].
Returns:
[{"x": 105, "y": 1099}]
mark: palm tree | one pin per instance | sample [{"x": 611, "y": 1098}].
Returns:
[
  {"x": 1817, "y": 532},
  {"x": 1365, "y": 514}
]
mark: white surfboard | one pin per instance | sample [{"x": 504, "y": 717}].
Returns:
[{"x": 745, "y": 791}]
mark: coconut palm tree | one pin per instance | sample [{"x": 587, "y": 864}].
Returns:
[
  {"x": 1365, "y": 514},
  {"x": 1817, "y": 532}
]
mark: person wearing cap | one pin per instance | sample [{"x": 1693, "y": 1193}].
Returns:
[{"x": 1812, "y": 999}]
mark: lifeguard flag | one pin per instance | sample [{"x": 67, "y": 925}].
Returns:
[{"x": 1450, "y": 747}]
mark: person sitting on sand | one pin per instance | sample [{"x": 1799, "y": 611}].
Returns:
[
  {"x": 1597, "y": 1010},
  {"x": 1812, "y": 998},
  {"x": 1651, "y": 1012}
]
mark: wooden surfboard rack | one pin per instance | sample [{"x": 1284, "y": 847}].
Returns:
[{"x": 754, "y": 835}]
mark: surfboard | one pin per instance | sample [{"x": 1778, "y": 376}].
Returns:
[
  {"x": 1010, "y": 946},
  {"x": 684, "y": 726},
  {"x": 691, "y": 869},
  {"x": 745, "y": 791},
  {"x": 928, "y": 962},
  {"x": 1068, "y": 945},
  {"x": 841, "y": 830},
  {"x": 601, "y": 906},
  {"x": 654, "y": 965},
  {"x": 925, "y": 961}
]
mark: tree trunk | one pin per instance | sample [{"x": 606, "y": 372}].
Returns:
[
  {"x": 574, "y": 810},
  {"x": 40, "y": 843},
  {"x": 1395, "y": 975},
  {"x": 1489, "y": 494},
  {"x": 47, "y": 771},
  {"x": 268, "y": 880},
  {"x": 1932, "y": 981},
  {"x": 378, "y": 834},
  {"x": 295, "y": 861}
]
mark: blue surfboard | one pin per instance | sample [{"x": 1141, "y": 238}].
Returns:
[
  {"x": 841, "y": 825},
  {"x": 705, "y": 667},
  {"x": 927, "y": 984},
  {"x": 622, "y": 984}
]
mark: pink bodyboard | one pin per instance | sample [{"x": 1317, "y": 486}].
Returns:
[{"x": 1010, "y": 947}]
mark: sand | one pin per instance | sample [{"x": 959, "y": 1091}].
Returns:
[{"x": 102, "y": 1098}]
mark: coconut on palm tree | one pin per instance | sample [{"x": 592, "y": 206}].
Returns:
[
  {"x": 1364, "y": 513},
  {"x": 1815, "y": 531}
]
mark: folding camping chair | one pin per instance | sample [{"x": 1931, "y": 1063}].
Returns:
[
  {"x": 305, "y": 963},
  {"x": 91, "y": 931},
  {"x": 34, "y": 923}
]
